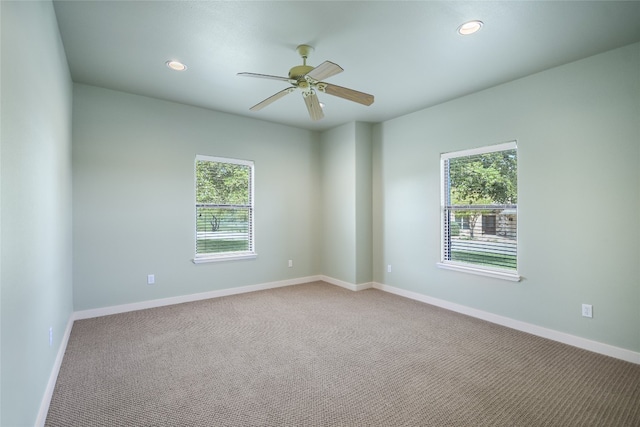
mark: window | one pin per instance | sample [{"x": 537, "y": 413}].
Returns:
[
  {"x": 488, "y": 224},
  {"x": 462, "y": 220},
  {"x": 480, "y": 211},
  {"x": 224, "y": 209}
]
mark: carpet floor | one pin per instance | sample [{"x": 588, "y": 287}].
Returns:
[{"x": 319, "y": 355}]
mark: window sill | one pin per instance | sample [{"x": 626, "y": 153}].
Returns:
[
  {"x": 228, "y": 257},
  {"x": 496, "y": 274}
]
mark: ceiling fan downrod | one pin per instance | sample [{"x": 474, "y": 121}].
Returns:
[{"x": 299, "y": 71}]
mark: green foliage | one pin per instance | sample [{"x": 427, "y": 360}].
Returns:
[
  {"x": 225, "y": 226},
  {"x": 454, "y": 229},
  {"x": 485, "y": 258},
  {"x": 484, "y": 179},
  {"x": 222, "y": 183},
  {"x": 228, "y": 220},
  {"x": 218, "y": 245}
]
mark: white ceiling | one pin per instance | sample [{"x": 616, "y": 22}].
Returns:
[{"x": 407, "y": 54}]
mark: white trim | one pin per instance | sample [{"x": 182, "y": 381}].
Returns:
[
  {"x": 504, "y": 275},
  {"x": 53, "y": 377},
  {"x": 346, "y": 285},
  {"x": 575, "y": 341},
  {"x": 142, "y": 305},
  {"x": 511, "y": 145},
  {"x": 205, "y": 158},
  {"x": 235, "y": 257}
]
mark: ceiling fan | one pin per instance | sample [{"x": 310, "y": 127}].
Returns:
[{"x": 309, "y": 80}]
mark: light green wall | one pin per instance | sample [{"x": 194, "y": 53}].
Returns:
[
  {"x": 35, "y": 205},
  {"x": 346, "y": 203},
  {"x": 338, "y": 205},
  {"x": 133, "y": 183},
  {"x": 578, "y": 133},
  {"x": 363, "y": 201}
]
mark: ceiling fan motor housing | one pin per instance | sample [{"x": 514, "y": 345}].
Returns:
[{"x": 299, "y": 71}]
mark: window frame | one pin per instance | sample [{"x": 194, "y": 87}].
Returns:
[
  {"x": 225, "y": 256},
  {"x": 477, "y": 269}
]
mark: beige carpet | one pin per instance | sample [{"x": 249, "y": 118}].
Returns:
[{"x": 319, "y": 355}]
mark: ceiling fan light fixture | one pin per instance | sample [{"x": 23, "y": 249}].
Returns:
[
  {"x": 176, "y": 65},
  {"x": 470, "y": 27}
]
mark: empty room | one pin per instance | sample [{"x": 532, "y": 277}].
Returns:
[{"x": 319, "y": 213}]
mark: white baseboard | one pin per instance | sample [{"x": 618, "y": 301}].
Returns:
[
  {"x": 346, "y": 285},
  {"x": 142, "y": 305},
  {"x": 586, "y": 344},
  {"x": 51, "y": 384},
  {"x": 105, "y": 311}
]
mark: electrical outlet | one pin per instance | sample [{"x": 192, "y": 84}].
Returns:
[
  {"x": 50, "y": 336},
  {"x": 151, "y": 279},
  {"x": 290, "y": 263},
  {"x": 587, "y": 310},
  {"x": 389, "y": 268}
]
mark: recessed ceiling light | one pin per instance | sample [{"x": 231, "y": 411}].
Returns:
[
  {"x": 176, "y": 66},
  {"x": 469, "y": 27}
]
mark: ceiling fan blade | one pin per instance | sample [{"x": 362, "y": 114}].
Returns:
[
  {"x": 346, "y": 93},
  {"x": 264, "y": 76},
  {"x": 313, "y": 105},
  {"x": 324, "y": 71},
  {"x": 272, "y": 98}
]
